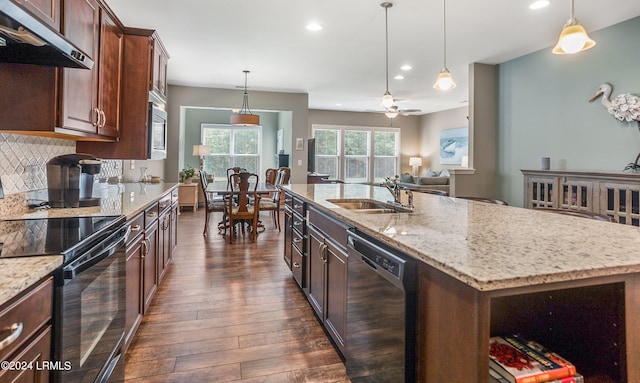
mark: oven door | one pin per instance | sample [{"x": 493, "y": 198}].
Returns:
[{"x": 93, "y": 311}]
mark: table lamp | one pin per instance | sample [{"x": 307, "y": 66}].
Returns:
[
  {"x": 201, "y": 151},
  {"x": 415, "y": 162}
]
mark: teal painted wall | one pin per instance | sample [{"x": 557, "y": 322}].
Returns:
[
  {"x": 195, "y": 117},
  {"x": 543, "y": 109}
]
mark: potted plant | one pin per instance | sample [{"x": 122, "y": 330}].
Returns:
[{"x": 186, "y": 175}]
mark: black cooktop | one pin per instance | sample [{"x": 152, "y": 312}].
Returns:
[{"x": 68, "y": 236}]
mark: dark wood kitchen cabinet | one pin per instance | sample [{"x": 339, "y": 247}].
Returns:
[
  {"x": 47, "y": 11},
  {"x": 150, "y": 259},
  {"x": 78, "y": 104},
  {"x": 135, "y": 254},
  {"x": 144, "y": 63},
  {"x": 33, "y": 309},
  {"x": 164, "y": 235},
  {"x": 91, "y": 98},
  {"x": 327, "y": 272},
  {"x": 294, "y": 238}
]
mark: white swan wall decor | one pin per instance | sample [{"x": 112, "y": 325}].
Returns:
[{"x": 625, "y": 107}]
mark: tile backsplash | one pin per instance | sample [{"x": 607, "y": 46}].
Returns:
[{"x": 23, "y": 165}]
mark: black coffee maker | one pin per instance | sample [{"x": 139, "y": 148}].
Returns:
[{"x": 70, "y": 180}]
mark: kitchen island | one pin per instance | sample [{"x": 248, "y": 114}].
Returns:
[{"x": 571, "y": 284}]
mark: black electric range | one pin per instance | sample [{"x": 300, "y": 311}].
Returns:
[
  {"x": 89, "y": 300},
  {"x": 67, "y": 236}
]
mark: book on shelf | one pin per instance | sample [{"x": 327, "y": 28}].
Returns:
[
  {"x": 495, "y": 377},
  {"x": 519, "y": 361}
]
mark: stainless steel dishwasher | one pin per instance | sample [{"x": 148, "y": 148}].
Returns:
[{"x": 381, "y": 312}]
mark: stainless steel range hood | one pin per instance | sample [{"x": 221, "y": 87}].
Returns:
[{"x": 26, "y": 40}]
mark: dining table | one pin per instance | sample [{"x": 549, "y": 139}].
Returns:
[{"x": 222, "y": 188}]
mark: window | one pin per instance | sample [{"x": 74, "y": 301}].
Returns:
[
  {"x": 327, "y": 151},
  {"x": 357, "y": 154},
  {"x": 231, "y": 146}
]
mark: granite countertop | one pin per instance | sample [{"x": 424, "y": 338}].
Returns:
[
  {"x": 20, "y": 273},
  {"x": 486, "y": 246},
  {"x": 127, "y": 198}
]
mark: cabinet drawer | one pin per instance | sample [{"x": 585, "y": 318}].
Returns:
[
  {"x": 297, "y": 223},
  {"x": 298, "y": 206},
  {"x": 137, "y": 227},
  {"x": 35, "y": 352},
  {"x": 174, "y": 195},
  {"x": 298, "y": 240},
  {"x": 33, "y": 310},
  {"x": 150, "y": 215},
  {"x": 298, "y": 266},
  {"x": 164, "y": 203},
  {"x": 330, "y": 226}
]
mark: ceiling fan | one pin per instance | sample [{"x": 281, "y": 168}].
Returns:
[{"x": 394, "y": 110}]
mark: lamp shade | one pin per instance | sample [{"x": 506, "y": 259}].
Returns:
[
  {"x": 201, "y": 150},
  {"x": 573, "y": 39},
  {"x": 415, "y": 161}
]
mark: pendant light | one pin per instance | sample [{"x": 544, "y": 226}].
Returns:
[
  {"x": 244, "y": 117},
  {"x": 444, "y": 81},
  {"x": 573, "y": 38},
  {"x": 387, "y": 99}
]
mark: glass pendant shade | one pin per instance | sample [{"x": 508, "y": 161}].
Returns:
[
  {"x": 444, "y": 81},
  {"x": 387, "y": 100},
  {"x": 573, "y": 39}
]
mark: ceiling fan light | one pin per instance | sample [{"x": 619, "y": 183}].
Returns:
[
  {"x": 387, "y": 100},
  {"x": 391, "y": 114},
  {"x": 573, "y": 39},
  {"x": 444, "y": 81}
]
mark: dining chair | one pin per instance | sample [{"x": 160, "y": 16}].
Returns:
[
  {"x": 242, "y": 211},
  {"x": 270, "y": 176},
  {"x": 578, "y": 213},
  {"x": 487, "y": 200},
  {"x": 272, "y": 203},
  {"x": 287, "y": 174},
  {"x": 212, "y": 205}
]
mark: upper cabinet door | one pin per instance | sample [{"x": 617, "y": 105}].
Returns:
[
  {"x": 110, "y": 73},
  {"x": 160, "y": 60},
  {"x": 80, "y": 86},
  {"x": 48, "y": 11}
]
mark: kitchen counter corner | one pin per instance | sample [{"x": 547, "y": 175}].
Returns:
[{"x": 20, "y": 273}]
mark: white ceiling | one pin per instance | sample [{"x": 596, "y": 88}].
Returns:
[{"x": 212, "y": 41}]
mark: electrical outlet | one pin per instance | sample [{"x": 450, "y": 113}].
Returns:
[
  {"x": 299, "y": 162},
  {"x": 133, "y": 165}
]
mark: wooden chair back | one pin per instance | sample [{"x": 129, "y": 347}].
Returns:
[
  {"x": 286, "y": 176},
  {"x": 239, "y": 191},
  {"x": 270, "y": 176}
]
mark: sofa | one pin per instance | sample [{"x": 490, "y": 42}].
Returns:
[{"x": 434, "y": 180}]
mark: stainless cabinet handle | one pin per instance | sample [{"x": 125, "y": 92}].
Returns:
[
  {"x": 297, "y": 223},
  {"x": 152, "y": 214},
  {"x": 104, "y": 119},
  {"x": 297, "y": 240},
  {"x": 297, "y": 206},
  {"x": 16, "y": 330},
  {"x": 296, "y": 265},
  {"x": 136, "y": 228}
]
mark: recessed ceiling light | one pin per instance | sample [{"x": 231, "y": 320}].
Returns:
[
  {"x": 314, "y": 27},
  {"x": 406, "y": 67},
  {"x": 399, "y": 77},
  {"x": 538, "y": 4}
]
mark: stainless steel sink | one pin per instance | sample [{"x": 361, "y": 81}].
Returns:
[{"x": 369, "y": 206}]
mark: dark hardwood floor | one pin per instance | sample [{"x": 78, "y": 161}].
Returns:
[{"x": 230, "y": 313}]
